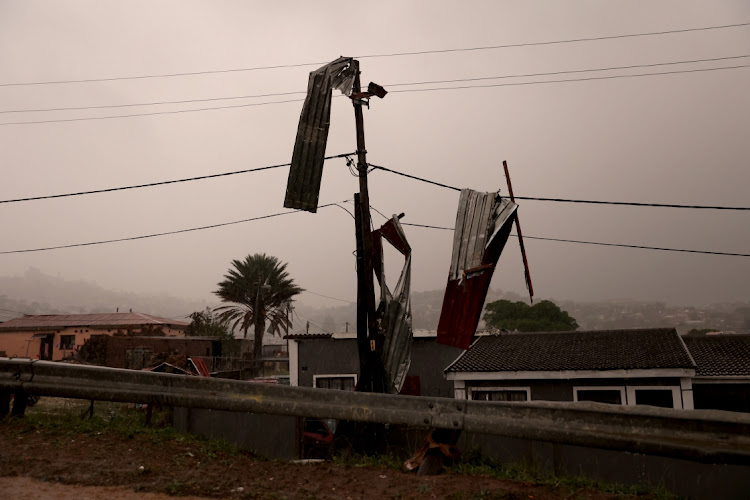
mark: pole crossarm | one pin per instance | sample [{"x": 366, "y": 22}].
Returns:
[{"x": 701, "y": 435}]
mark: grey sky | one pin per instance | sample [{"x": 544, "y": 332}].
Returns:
[{"x": 675, "y": 139}]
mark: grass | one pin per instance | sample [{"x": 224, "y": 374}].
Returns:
[{"x": 64, "y": 419}]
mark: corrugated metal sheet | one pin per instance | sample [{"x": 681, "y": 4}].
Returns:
[
  {"x": 394, "y": 311},
  {"x": 102, "y": 319},
  {"x": 303, "y": 186},
  {"x": 483, "y": 224}
]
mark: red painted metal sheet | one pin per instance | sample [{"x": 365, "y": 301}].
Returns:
[
  {"x": 467, "y": 289},
  {"x": 201, "y": 367}
]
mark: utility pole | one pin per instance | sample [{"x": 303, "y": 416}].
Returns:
[{"x": 371, "y": 376}]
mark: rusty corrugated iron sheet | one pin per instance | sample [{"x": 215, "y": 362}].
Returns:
[
  {"x": 303, "y": 186},
  {"x": 483, "y": 224},
  {"x": 394, "y": 310},
  {"x": 51, "y": 321}
]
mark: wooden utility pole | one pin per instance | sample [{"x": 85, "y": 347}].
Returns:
[{"x": 371, "y": 376}]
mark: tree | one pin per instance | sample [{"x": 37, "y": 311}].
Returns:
[
  {"x": 255, "y": 290},
  {"x": 205, "y": 324},
  {"x": 544, "y": 316}
]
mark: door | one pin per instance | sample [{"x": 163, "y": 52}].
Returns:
[{"x": 45, "y": 348}]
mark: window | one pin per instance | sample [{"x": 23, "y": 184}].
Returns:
[
  {"x": 500, "y": 393},
  {"x": 137, "y": 359},
  {"x": 67, "y": 342},
  {"x": 610, "y": 395},
  {"x": 661, "y": 396},
  {"x": 341, "y": 382}
]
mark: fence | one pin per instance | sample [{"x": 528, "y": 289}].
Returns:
[{"x": 699, "y": 435}]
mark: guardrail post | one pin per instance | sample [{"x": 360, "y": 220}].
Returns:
[
  {"x": 4, "y": 403},
  {"x": 19, "y": 403}
]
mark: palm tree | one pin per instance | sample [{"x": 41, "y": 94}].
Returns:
[{"x": 255, "y": 290}]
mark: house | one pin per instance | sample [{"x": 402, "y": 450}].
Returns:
[
  {"x": 626, "y": 367},
  {"x": 55, "y": 336},
  {"x": 722, "y": 375},
  {"x": 137, "y": 352},
  {"x": 331, "y": 361}
]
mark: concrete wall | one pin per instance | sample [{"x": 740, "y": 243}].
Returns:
[
  {"x": 685, "y": 478},
  {"x": 187, "y": 346},
  {"x": 270, "y": 436}
]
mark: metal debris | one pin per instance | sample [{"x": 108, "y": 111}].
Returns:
[
  {"x": 303, "y": 186},
  {"x": 483, "y": 224},
  {"x": 394, "y": 311}
]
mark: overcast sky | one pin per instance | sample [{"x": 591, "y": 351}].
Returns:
[{"x": 678, "y": 138}]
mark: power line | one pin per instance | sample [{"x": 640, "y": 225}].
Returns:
[
  {"x": 329, "y": 297},
  {"x": 151, "y": 184},
  {"x": 566, "y": 200},
  {"x": 457, "y": 80},
  {"x": 332, "y": 204},
  {"x": 373, "y": 56},
  {"x": 154, "y": 113},
  {"x": 622, "y": 245},
  {"x": 154, "y": 103},
  {"x": 587, "y": 79},
  {"x": 154, "y": 235},
  {"x": 374, "y": 167},
  {"x": 638, "y": 246},
  {"x": 555, "y": 42},
  {"x": 432, "y": 89}
]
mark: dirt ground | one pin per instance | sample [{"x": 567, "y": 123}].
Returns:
[{"x": 40, "y": 459}]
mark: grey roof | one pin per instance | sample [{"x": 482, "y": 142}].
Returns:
[
  {"x": 720, "y": 355},
  {"x": 115, "y": 320},
  {"x": 657, "y": 348}
]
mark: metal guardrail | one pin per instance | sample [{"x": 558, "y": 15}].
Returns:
[{"x": 701, "y": 435}]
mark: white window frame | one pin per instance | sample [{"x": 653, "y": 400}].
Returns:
[
  {"x": 334, "y": 375},
  {"x": 527, "y": 390},
  {"x": 621, "y": 388},
  {"x": 676, "y": 393}
]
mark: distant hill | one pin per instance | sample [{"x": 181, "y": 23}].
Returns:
[{"x": 37, "y": 293}]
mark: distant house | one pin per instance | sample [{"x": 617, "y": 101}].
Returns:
[
  {"x": 331, "y": 361},
  {"x": 626, "y": 367},
  {"x": 55, "y": 336},
  {"x": 722, "y": 376},
  {"x": 135, "y": 352}
]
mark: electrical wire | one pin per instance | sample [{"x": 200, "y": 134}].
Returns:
[
  {"x": 154, "y": 235},
  {"x": 154, "y": 113},
  {"x": 394, "y": 54},
  {"x": 555, "y": 42},
  {"x": 587, "y": 79},
  {"x": 329, "y": 297},
  {"x": 151, "y": 184},
  {"x": 581, "y": 242},
  {"x": 432, "y": 89},
  {"x": 458, "y": 80},
  {"x": 566, "y": 200},
  {"x": 300, "y": 317}
]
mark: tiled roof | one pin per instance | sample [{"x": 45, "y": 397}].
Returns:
[
  {"x": 303, "y": 335},
  {"x": 52, "y": 321},
  {"x": 585, "y": 350},
  {"x": 720, "y": 355}
]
